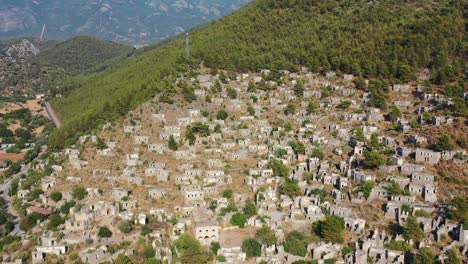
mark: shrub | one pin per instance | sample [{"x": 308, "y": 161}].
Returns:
[
  {"x": 104, "y": 232},
  {"x": 149, "y": 251},
  {"x": 251, "y": 247},
  {"x": 239, "y": 219},
  {"x": 222, "y": 115},
  {"x": 331, "y": 229},
  {"x": 266, "y": 236},
  {"x": 227, "y": 193},
  {"x": 125, "y": 227},
  {"x": 56, "y": 196},
  {"x": 79, "y": 193}
]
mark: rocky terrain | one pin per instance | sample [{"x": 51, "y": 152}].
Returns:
[
  {"x": 17, "y": 74},
  {"x": 132, "y": 22}
]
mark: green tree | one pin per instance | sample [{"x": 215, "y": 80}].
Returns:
[
  {"x": 290, "y": 109},
  {"x": 459, "y": 209},
  {"x": 297, "y": 146},
  {"x": 280, "y": 153},
  {"x": 100, "y": 144},
  {"x": 318, "y": 153},
  {"x": 238, "y": 219},
  {"x": 344, "y": 105},
  {"x": 65, "y": 208},
  {"x": 394, "y": 189},
  {"x": 79, "y": 193},
  {"x": 149, "y": 251},
  {"x": 444, "y": 143},
  {"x": 331, "y": 229},
  {"x": 215, "y": 246},
  {"x": 122, "y": 259},
  {"x": 153, "y": 261},
  {"x": 406, "y": 73},
  {"x": 299, "y": 88},
  {"x": 296, "y": 243},
  {"x": 311, "y": 107},
  {"x": 104, "y": 232},
  {"x": 412, "y": 229},
  {"x": 55, "y": 220},
  {"x": 290, "y": 188},
  {"x": 453, "y": 257},
  {"x": 395, "y": 113},
  {"x": 425, "y": 256},
  {"x": 250, "y": 209},
  {"x": 56, "y": 196},
  {"x": 373, "y": 159},
  {"x": 399, "y": 245},
  {"x": 279, "y": 169},
  {"x": 366, "y": 188},
  {"x": 232, "y": 93},
  {"x": 360, "y": 83},
  {"x": 172, "y": 144},
  {"x": 222, "y": 114},
  {"x": 265, "y": 236},
  {"x": 191, "y": 251},
  {"x": 250, "y": 110},
  {"x": 359, "y": 134},
  {"x": 125, "y": 226},
  {"x": 145, "y": 230},
  {"x": 374, "y": 143},
  {"x": 189, "y": 135},
  {"x": 227, "y": 193},
  {"x": 251, "y": 247}
]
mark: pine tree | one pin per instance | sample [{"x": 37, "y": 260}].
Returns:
[
  {"x": 453, "y": 257},
  {"x": 190, "y": 136},
  {"x": 299, "y": 88},
  {"x": 173, "y": 144},
  {"x": 412, "y": 229}
]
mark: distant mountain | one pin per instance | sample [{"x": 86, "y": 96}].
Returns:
[
  {"x": 82, "y": 53},
  {"x": 22, "y": 48},
  {"x": 132, "y": 22},
  {"x": 26, "y": 64},
  {"x": 17, "y": 74}
]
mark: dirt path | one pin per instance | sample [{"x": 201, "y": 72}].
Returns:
[{"x": 53, "y": 117}]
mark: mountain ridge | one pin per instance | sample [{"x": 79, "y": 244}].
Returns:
[{"x": 128, "y": 22}]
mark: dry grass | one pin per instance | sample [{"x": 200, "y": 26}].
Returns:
[{"x": 453, "y": 180}]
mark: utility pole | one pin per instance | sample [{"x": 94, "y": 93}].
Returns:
[
  {"x": 41, "y": 38},
  {"x": 187, "y": 45}
]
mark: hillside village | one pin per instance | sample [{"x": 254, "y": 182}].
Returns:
[{"x": 297, "y": 168}]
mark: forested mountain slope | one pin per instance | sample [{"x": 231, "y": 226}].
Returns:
[
  {"x": 389, "y": 39},
  {"x": 82, "y": 53}
]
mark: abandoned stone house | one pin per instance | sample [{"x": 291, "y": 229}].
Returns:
[
  {"x": 119, "y": 193},
  {"x": 427, "y": 156},
  {"x": 207, "y": 231},
  {"x": 157, "y": 147},
  {"x": 156, "y": 193},
  {"x": 194, "y": 198},
  {"x": 159, "y": 117},
  {"x": 417, "y": 140},
  {"x": 441, "y": 120},
  {"x": 402, "y": 88},
  {"x": 132, "y": 129},
  {"x": 141, "y": 140},
  {"x": 133, "y": 160}
]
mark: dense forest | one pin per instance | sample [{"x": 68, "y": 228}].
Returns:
[
  {"x": 387, "y": 39},
  {"x": 82, "y": 53}
]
